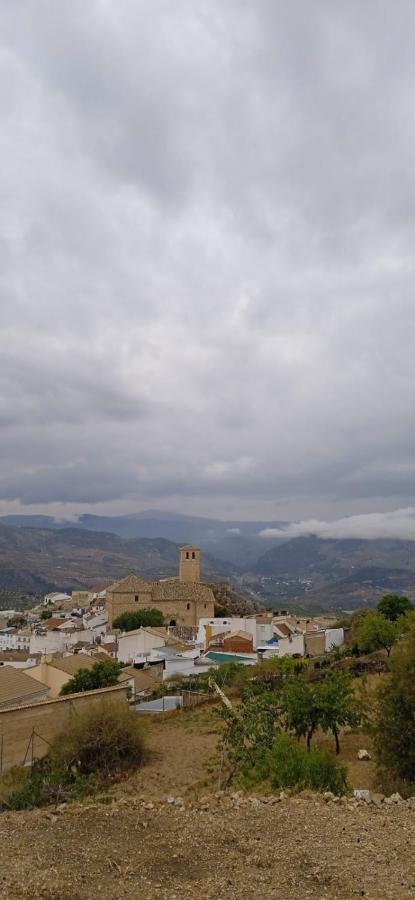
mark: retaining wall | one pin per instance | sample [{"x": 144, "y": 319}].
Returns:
[{"x": 26, "y": 731}]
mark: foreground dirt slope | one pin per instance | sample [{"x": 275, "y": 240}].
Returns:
[
  {"x": 203, "y": 845},
  {"x": 216, "y": 849}
]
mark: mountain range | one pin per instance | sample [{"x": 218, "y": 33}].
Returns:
[
  {"x": 340, "y": 574},
  {"x": 38, "y": 553},
  {"x": 238, "y": 542},
  {"x": 40, "y": 559}
]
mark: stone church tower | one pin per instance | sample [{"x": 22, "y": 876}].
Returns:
[{"x": 189, "y": 564}]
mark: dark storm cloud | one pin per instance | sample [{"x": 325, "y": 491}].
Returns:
[{"x": 206, "y": 256}]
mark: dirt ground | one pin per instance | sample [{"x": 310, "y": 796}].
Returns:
[{"x": 204, "y": 844}]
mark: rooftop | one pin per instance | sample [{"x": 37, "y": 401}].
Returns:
[
  {"x": 14, "y": 684},
  {"x": 72, "y": 664}
]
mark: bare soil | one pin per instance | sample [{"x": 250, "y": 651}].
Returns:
[{"x": 207, "y": 845}]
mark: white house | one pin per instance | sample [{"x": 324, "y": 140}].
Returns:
[
  {"x": 334, "y": 637},
  {"x": 18, "y": 659},
  {"x": 292, "y": 645},
  {"x": 54, "y": 598},
  {"x": 139, "y": 642},
  {"x": 96, "y": 623},
  {"x": 48, "y": 642},
  {"x": 209, "y": 627},
  {"x": 13, "y": 640}
]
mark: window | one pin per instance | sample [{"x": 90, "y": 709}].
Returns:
[
  {"x": 136, "y": 598},
  {"x": 187, "y": 554},
  {"x": 193, "y": 555},
  {"x": 187, "y": 605}
]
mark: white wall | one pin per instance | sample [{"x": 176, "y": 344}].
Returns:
[
  {"x": 26, "y": 664},
  {"x": 218, "y": 626},
  {"x": 334, "y": 637},
  {"x": 264, "y": 633},
  {"x": 290, "y": 646},
  {"x": 13, "y": 641},
  {"x": 134, "y": 642},
  {"x": 51, "y": 642}
]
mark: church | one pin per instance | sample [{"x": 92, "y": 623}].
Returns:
[{"x": 183, "y": 600}]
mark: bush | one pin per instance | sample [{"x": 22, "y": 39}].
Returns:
[
  {"x": 290, "y": 766},
  {"x": 103, "y": 740},
  {"x": 140, "y": 618},
  {"x": 102, "y": 674},
  {"x": 394, "y": 730},
  {"x": 49, "y": 782},
  {"x": 287, "y": 764}
]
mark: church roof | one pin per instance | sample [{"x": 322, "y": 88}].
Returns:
[
  {"x": 182, "y": 590},
  {"x": 171, "y": 589},
  {"x": 130, "y": 584}
]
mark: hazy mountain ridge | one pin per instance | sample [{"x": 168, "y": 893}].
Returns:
[
  {"x": 342, "y": 573},
  {"x": 304, "y": 571},
  {"x": 238, "y": 542},
  {"x": 40, "y": 559}
]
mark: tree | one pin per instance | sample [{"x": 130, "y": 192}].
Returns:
[
  {"x": 102, "y": 674},
  {"x": 376, "y": 633},
  {"x": 392, "y": 606},
  {"x": 46, "y": 614},
  {"x": 220, "y": 611},
  {"x": 301, "y": 708},
  {"x": 18, "y": 621},
  {"x": 394, "y": 733},
  {"x": 139, "y": 618},
  {"x": 338, "y": 704}
]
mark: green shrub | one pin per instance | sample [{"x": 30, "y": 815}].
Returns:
[
  {"x": 105, "y": 739},
  {"x": 394, "y": 728},
  {"x": 102, "y": 674},
  {"x": 48, "y": 782},
  {"x": 140, "y": 618},
  {"x": 291, "y": 766},
  {"x": 98, "y": 743}
]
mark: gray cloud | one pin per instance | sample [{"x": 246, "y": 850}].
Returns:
[
  {"x": 399, "y": 524},
  {"x": 206, "y": 247}
]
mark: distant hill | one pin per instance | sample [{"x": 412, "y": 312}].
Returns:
[
  {"x": 238, "y": 542},
  {"x": 40, "y": 559},
  {"x": 341, "y": 573}
]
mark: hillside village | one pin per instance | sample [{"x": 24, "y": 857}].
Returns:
[
  {"x": 50, "y": 643},
  {"x": 172, "y": 676}
]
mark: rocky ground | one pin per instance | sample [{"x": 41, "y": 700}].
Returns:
[
  {"x": 215, "y": 848},
  {"x": 151, "y": 840}
]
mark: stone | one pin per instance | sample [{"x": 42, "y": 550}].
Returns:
[
  {"x": 363, "y": 754},
  {"x": 396, "y": 798},
  {"x": 363, "y": 794},
  {"x": 149, "y": 805},
  {"x": 378, "y": 799},
  {"x": 328, "y": 795}
]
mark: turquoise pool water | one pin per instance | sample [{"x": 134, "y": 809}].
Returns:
[{"x": 228, "y": 657}]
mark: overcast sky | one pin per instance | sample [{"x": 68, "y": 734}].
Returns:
[{"x": 207, "y": 240}]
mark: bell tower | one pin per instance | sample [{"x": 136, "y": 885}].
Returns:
[{"x": 189, "y": 563}]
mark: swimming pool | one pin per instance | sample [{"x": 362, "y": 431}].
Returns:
[{"x": 219, "y": 657}]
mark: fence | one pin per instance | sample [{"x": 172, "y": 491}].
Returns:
[
  {"x": 168, "y": 703},
  {"x": 195, "y": 698},
  {"x": 26, "y": 731}
]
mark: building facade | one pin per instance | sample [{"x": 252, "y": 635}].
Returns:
[{"x": 182, "y": 601}]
